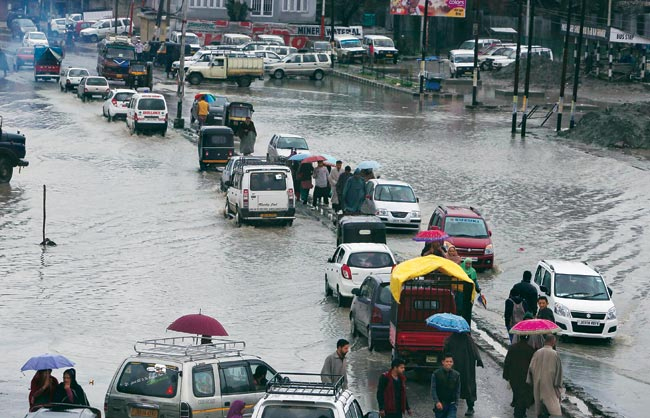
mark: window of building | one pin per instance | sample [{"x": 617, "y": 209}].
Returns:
[
  {"x": 208, "y": 4},
  {"x": 261, "y": 7},
  {"x": 294, "y": 5}
]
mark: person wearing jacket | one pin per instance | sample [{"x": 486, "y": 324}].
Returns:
[
  {"x": 466, "y": 265},
  {"x": 391, "y": 391},
  {"x": 515, "y": 371},
  {"x": 69, "y": 391},
  {"x": 512, "y": 315},
  {"x": 445, "y": 388},
  {"x": 466, "y": 356},
  {"x": 527, "y": 291},
  {"x": 354, "y": 193},
  {"x": 42, "y": 388}
]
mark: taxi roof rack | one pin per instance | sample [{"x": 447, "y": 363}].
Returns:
[
  {"x": 190, "y": 346},
  {"x": 281, "y": 383}
]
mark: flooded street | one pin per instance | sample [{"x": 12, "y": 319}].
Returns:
[{"x": 142, "y": 239}]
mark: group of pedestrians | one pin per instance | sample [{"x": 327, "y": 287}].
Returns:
[{"x": 46, "y": 389}]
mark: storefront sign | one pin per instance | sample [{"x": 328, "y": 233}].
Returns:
[
  {"x": 587, "y": 31},
  {"x": 440, "y": 8},
  {"x": 619, "y": 36}
]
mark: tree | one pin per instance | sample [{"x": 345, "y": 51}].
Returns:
[{"x": 237, "y": 10}]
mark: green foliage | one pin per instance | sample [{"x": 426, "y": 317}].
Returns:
[{"x": 237, "y": 10}]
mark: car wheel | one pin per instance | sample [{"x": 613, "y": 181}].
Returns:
[
  {"x": 195, "y": 78},
  {"x": 163, "y": 132},
  {"x": 244, "y": 82},
  {"x": 278, "y": 74},
  {"x": 340, "y": 300},
  {"x": 328, "y": 289},
  {"x": 61, "y": 87},
  {"x": 318, "y": 75},
  {"x": 372, "y": 344},
  {"x": 110, "y": 118},
  {"x": 6, "y": 170},
  {"x": 226, "y": 210},
  {"x": 353, "y": 327},
  {"x": 289, "y": 222},
  {"x": 94, "y": 38},
  {"x": 238, "y": 219},
  {"x": 83, "y": 98}
]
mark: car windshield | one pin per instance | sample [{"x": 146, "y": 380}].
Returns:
[
  {"x": 151, "y": 104},
  {"x": 288, "y": 411},
  {"x": 385, "y": 297},
  {"x": 350, "y": 43},
  {"x": 384, "y": 42},
  {"x": 149, "y": 379},
  {"x": 60, "y": 21},
  {"x": 191, "y": 39},
  {"x": 463, "y": 59},
  {"x": 467, "y": 45},
  {"x": 268, "y": 181},
  {"x": 394, "y": 193},
  {"x": 321, "y": 46},
  {"x": 370, "y": 259},
  {"x": 124, "y": 53},
  {"x": 96, "y": 81},
  {"x": 292, "y": 142},
  {"x": 578, "y": 286},
  {"x": 78, "y": 73},
  {"x": 123, "y": 97},
  {"x": 215, "y": 100},
  {"x": 216, "y": 140},
  {"x": 37, "y": 35},
  {"x": 466, "y": 227}
]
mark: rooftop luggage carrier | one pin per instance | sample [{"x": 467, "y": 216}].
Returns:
[
  {"x": 191, "y": 347},
  {"x": 282, "y": 384}
]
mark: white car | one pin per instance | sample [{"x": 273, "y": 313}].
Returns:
[
  {"x": 394, "y": 202},
  {"x": 117, "y": 103},
  {"x": 269, "y": 57},
  {"x": 461, "y": 63},
  {"x": 35, "y": 38},
  {"x": 103, "y": 27},
  {"x": 58, "y": 26},
  {"x": 71, "y": 77},
  {"x": 351, "y": 264},
  {"x": 579, "y": 297},
  {"x": 147, "y": 111},
  {"x": 281, "y": 146},
  {"x": 311, "y": 64},
  {"x": 92, "y": 86}
]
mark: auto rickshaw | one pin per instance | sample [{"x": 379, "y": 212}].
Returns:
[
  {"x": 216, "y": 145},
  {"x": 236, "y": 114},
  {"x": 140, "y": 75},
  {"x": 360, "y": 229},
  {"x": 420, "y": 288}
]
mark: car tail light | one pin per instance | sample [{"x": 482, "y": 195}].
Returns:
[
  {"x": 377, "y": 317},
  {"x": 292, "y": 198},
  {"x": 346, "y": 272},
  {"x": 166, "y": 115},
  {"x": 229, "y": 153},
  {"x": 114, "y": 102},
  {"x": 135, "y": 117},
  {"x": 246, "y": 198},
  {"x": 186, "y": 410}
]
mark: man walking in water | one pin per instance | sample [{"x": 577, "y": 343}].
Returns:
[{"x": 335, "y": 365}]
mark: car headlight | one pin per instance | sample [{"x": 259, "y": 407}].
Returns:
[
  {"x": 562, "y": 310},
  {"x": 381, "y": 212},
  {"x": 611, "y": 314},
  {"x": 415, "y": 214},
  {"x": 489, "y": 249}
]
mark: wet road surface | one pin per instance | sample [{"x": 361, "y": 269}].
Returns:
[{"x": 142, "y": 239}]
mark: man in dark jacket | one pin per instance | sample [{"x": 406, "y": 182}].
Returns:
[
  {"x": 515, "y": 370},
  {"x": 354, "y": 193},
  {"x": 544, "y": 311},
  {"x": 340, "y": 184},
  {"x": 445, "y": 389},
  {"x": 525, "y": 290},
  {"x": 391, "y": 391},
  {"x": 515, "y": 310}
]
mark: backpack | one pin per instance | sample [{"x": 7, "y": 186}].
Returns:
[{"x": 518, "y": 312}]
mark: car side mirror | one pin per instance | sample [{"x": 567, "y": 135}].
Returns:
[
  {"x": 609, "y": 289},
  {"x": 417, "y": 199},
  {"x": 355, "y": 292},
  {"x": 228, "y": 183},
  {"x": 330, "y": 260},
  {"x": 489, "y": 232},
  {"x": 372, "y": 414},
  {"x": 543, "y": 289}
]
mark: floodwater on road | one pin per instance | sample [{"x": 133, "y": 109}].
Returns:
[{"x": 142, "y": 238}]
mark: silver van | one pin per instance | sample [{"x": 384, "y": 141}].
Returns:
[{"x": 179, "y": 377}]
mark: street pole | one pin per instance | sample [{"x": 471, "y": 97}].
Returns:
[
  {"x": 131, "y": 18},
  {"x": 322, "y": 20},
  {"x": 117, "y": 3},
  {"x": 565, "y": 59},
  {"x": 424, "y": 46},
  {"x": 576, "y": 73},
  {"x": 476, "y": 27},
  {"x": 332, "y": 30},
  {"x": 610, "y": 58},
  {"x": 179, "y": 122},
  {"x": 527, "y": 19},
  {"x": 531, "y": 24},
  {"x": 515, "y": 91}
]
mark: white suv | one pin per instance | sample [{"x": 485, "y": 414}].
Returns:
[
  {"x": 579, "y": 297},
  {"x": 461, "y": 62},
  {"x": 103, "y": 27},
  {"x": 351, "y": 264},
  {"x": 394, "y": 202},
  {"x": 314, "y": 65}
]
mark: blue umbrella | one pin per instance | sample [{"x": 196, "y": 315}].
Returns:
[
  {"x": 47, "y": 361},
  {"x": 299, "y": 157},
  {"x": 368, "y": 165},
  {"x": 329, "y": 158},
  {"x": 448, "y": 322}
]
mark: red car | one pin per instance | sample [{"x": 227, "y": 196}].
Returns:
[
  {"x": 79, "y": 26},
  {"x": 24, "y": 56},
  {"x": 468, "y": 232}
]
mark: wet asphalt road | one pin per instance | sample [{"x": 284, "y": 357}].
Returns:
[{"x": 142, "y": 239}]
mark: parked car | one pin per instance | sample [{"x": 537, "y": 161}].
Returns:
[
  {"x": 394, "y": 202},
  {"x": 467, "y": 231},
  {"x": 216, "y": 108},
  {"x": 92, "y": 86},
  {"x": 269, "y": 57},
  {"x": 461, "y": 63},
  {"x": 103, "y": 27},
  {"x": 58, "y": 410},
  {"x": 235, "y": 39},
  {"x": 71, "y": 77},
  {"x": 117, "y": 103},
  {"x": 348, "y": 49},
  {"x": 281, "y": 50},
  {"x": 58, "y": 26},
  {"x": 77, "y": 26},
  {"x": 281, "y": 146},
  {"x": 579, "y": 297},
  {"x": 503, "y": 61},
  {"x": 383, "y": 46},
  {"x": 147, "y": 112},
  {"x": 275, "y": 39},
  {"x": 32, "y": 39},
  {"x": 321, "y": 46},
  {"x": 24, "y": 56},
  {"x": 257, "y": 45},
  {"x": 370, "y": 309},
  {"x": 191, "y": 39},
  {"x": 351, "y": 264},
  {"x": 179, "y": 377},
  {"x": 313, "y": 65},
  {"x": 21, "y": 27},
  {"x": 482, "y": 42},
  {"x": 261, "y": 193},
  {"x": 235, "y": 163}
]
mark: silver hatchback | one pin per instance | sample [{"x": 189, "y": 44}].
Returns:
[{"x": 92, "y": 86}]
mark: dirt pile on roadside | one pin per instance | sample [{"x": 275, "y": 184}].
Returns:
[
  {"x": 543, "y": 72},
  {"x": 620, "y": 126}
]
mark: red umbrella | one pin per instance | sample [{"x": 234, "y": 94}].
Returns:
[
  {"x": 313, "y": 159},
  {"x": 431, "y": 235},
  {"x": 198, "y": 324}
]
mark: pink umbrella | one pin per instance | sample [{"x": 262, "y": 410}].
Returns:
[
  {"x": 431, "y": 235},
  {"x": 198, "y": 324},
  {"x": 535, "y": 327}
]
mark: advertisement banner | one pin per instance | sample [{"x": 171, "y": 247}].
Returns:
[
  {"x": 444, "y": 8},
  {"x": 619, "y": 36}
]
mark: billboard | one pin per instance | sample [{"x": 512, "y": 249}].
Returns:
[{"x": 444, "y": 8}]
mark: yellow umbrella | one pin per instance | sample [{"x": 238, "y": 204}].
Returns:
[{"x": 420, "y": 266}]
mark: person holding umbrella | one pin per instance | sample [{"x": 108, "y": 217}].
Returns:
[{"x": 42, "y": 388}]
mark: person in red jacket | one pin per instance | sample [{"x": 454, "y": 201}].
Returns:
[
  {"x": 42, "y": 388},
  {"x": 391, "y": 391}
]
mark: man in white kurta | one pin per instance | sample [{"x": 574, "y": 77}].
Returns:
[{"x": 545, "y": 375}]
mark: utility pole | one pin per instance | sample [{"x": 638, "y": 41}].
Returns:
[
  {"x": 531, "y": 24},
  {"x": 515, "y": 91},
  {"x": 322, "y": 20},
  {"x": 565, "y": 59},
  {"x": 179, "y": 122},
  {"x": 610, "y": 58},
  {"x": 117, "y": 3},
  {"x": 424, "y": 47},
  {"x": 332, "y": 30},
  {"x": 476, "y": 28},
  {"x": 576, "y": 74}
]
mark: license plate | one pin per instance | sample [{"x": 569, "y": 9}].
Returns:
[
  {"x": 588, "y": 323},
  {"x": 401, "y": 221},
  {"x": 141, "y": 412},
  {"x": 120, "y": 76},
  {"x": 389, "y": 55},
  {"x": 269, "y": 215},
  {"x": 151, "y": 117},
  {"x": 432, "y": 359},
  {"x": 474, "y": 259}
]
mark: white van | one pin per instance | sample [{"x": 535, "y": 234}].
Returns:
[
  {"x": 348, "y": 49},
  {"x": 191, "y": 39},
  {"x": 146, "y": 112},
  {"x": 261, "y": 193},
  {"x": 235, "y": 39},
  {"x": 383, "y": 46},
  {"x": 461, "y": 63},
  {"x": 579, "y": 297}
]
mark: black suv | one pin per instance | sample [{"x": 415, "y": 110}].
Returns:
[{"x": 12, "y": 152}]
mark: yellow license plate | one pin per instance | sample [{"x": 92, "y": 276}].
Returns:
[
  {"x": 118, "y": 76},
  {"x": 432, "y": 359},
  {"x": 141, "y": 412},
  {"x": 269, "y": 215}
]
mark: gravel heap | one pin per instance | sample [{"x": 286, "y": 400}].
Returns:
[
  {"x": 620, "y": 126},
  {"x": 543, "y": 72}
]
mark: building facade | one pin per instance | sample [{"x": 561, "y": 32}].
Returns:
[{"x": 266, "y": 11}]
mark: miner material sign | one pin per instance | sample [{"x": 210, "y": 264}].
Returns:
[{"x": 444, "y": 8}]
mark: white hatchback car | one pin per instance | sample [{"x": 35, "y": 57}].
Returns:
[
  {"x": 351, "y": 264},
  {"x": 579, "y": 297},
  {"x": 117, "y": 103},
  {"x": 35, "y": 38},
  {"x": 394, "y": 202},
  {"x": 71, "y": 77},
  {"x": 281, "y": 145}
]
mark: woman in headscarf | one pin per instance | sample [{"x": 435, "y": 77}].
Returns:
[
  {"x": 42, "y": 388},
  {"x": 471, "y": 273},
  {"x": 433, "y": 248},
  {"x": 236, "y": 409},
  {"x": 452, "y": 254},
  {"x": 69, "y": 390}
]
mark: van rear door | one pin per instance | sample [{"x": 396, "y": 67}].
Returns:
[{"x": 268, "y": 192}]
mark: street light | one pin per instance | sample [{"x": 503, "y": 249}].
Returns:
[{"x": 179, "y": 122}]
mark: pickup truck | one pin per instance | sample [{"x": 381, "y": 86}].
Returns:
[
  {"x": 224, "y": 68},
  {"x": 12, "y": 152}
]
